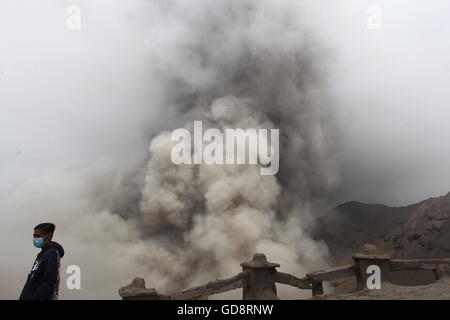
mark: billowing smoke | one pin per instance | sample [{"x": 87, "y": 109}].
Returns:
[
  {"x": 238, "y": 68},
  {"x": 231, "y": 64}
]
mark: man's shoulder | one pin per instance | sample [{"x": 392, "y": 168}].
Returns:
[{"x": 51, "y": 253}]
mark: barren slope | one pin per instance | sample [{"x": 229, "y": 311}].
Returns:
[{"x": 420, "y": 230}]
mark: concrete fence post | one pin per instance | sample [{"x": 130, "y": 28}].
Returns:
[
  {"x": 261, "y": 280},
  {"x": 370, "y": 255},
  {"x": 136, "y": 291}
]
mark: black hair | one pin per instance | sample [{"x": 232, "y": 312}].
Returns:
[{"x": 46, "y": 227}]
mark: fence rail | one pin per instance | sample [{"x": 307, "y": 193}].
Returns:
[
  {"x": 211, "y": 288},
  {"x": 289, "y": 279},
  {"x": 259, "y": 276},
  {"x": 430, "y": 264}
]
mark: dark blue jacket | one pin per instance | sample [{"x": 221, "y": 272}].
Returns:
[{"x": 43, "y": 279}]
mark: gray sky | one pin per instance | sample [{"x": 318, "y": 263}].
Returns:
[
  {"x": 392, "y": 100},
  {"x": 74, "y": 99},
  {"x": 65, "y": 95}
]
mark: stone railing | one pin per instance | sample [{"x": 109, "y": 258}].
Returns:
[{"x": 258, "y": 277}]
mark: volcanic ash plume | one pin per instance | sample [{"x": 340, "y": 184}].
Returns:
[
  {"x": 236, "y": 64},
  {"x": 240, "y": 64}
]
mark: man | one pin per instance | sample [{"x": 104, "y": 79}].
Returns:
[{"x": 43, "y": 279}]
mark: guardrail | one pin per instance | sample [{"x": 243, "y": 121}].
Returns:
[{"x": 259, "y": 277}]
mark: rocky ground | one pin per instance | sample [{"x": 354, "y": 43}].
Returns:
[{"x": 417, "y": 231}]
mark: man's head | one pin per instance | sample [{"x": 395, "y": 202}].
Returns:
[{"x": 43, "y": 234}]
